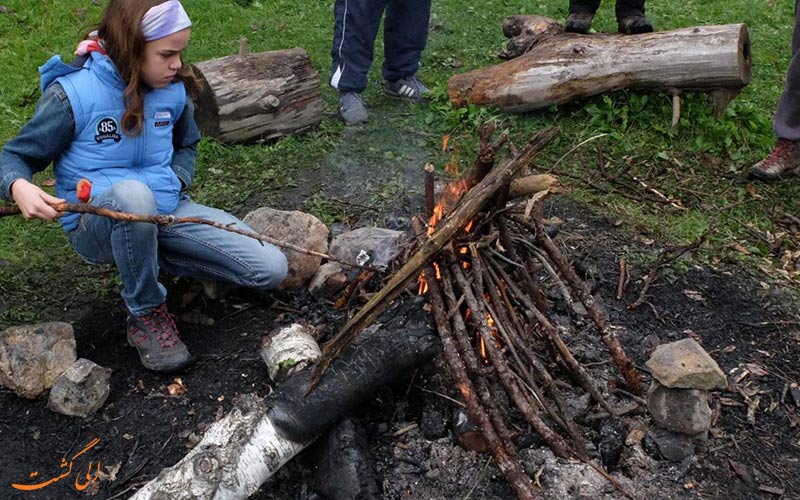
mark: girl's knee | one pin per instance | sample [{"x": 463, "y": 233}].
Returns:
[
  {"x": 133, "y": 197},
  {"x": 272, "y": 270}
]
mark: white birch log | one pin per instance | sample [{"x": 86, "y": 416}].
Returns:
[
  {"x": 566, "y": 67},
  {"x": 244, "y": 449}
]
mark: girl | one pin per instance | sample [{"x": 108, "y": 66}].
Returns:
[{"x": 119, "y": 115}]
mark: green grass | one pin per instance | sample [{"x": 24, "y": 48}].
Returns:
[{"x": 702, "y": 163}]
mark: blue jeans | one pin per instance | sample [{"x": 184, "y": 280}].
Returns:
[{"x": 140, "y": 249}]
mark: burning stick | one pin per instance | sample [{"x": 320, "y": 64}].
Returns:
[
  {"x": 632, "y": 376},
  {"x": 553, "y": 440},
  {"x": 506, "y": 460},
  {"x": 464, "y": 212}
]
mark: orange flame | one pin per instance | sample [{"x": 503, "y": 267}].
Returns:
[{"x": 451, "y": 196}]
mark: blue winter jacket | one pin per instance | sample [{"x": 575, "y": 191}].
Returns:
[{"x": 87, "y": 141}]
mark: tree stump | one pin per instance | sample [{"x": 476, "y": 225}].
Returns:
[
  {"x": 564, "y": 67},
  {"x": 258, "y": 96}
]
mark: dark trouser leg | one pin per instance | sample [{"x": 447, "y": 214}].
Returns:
[
  {"x": 628, "y": 8},
  {"x": 787, "y": 117},
  {"x": 589, "y": 6},
  {"x": 356, "y": 26},
  {"x": 405, "y": 36}
]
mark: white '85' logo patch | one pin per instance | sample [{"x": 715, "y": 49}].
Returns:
[{"x": 107, "y": 128}]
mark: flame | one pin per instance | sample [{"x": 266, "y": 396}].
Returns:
[
  {"x": 423, "y": 284},
  {"x": 451, "y": 196}
]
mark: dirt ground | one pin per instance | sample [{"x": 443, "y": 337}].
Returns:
[{"x": 734, "y": 312}]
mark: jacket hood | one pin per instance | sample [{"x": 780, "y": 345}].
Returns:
[{"x": 55, "y": 68}]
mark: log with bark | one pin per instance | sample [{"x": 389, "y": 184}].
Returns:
[
  {"x": 560, "y": 68},
  {"x": 242, "y": 450},
  {"x": 253, "y": 96}
]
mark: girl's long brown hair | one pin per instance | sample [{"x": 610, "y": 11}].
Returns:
[{"x": 120, "y": 29}]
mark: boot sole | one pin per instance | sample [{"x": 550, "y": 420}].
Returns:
[
  {"x": 761, "y": 175},
  {"x": 160, "y": 368}
]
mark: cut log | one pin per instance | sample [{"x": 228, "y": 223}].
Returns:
[
  {"x": 255, "y": 96},
  {"x": 242, "y": 450},
  {"x": 567, "y": 67}
]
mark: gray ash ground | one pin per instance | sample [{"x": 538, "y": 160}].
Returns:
[{"x": 144, "y": 429}]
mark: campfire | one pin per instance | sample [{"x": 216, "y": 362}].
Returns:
[
  {"x": 484, "y": 260},
  {"x": 485, "y": 263}
]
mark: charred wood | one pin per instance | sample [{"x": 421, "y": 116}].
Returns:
[
  {"x": 343, "y": 466},
  {"x": 241, "y": 451}
]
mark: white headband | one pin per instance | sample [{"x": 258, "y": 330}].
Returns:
[{"x": 163, "y": 20}]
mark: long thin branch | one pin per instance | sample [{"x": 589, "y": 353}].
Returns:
[
  {"x": 169, "y": 220},
  {"x": 632, "y": 376}
]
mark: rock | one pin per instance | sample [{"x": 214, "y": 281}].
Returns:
[
  {"x": 299, "y": 229},
  {"x": 685, "y": 365},
  {"x": 679, "y": 410},
  {"x": 673, "y": 446},
  {"x": 327, "y": 281},
  {"x": 382, "y": 245},
  {"x": 288, "y": 350},
  {"x": 81, "y": 390},
  {"x": 33, "y": 356}
]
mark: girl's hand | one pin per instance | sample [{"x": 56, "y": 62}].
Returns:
[{"x": 33, "y": 202}]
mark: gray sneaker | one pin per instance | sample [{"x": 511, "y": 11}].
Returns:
[
  {"x": 155, "y": 336},
  {"x": 410, "y": 89},
  {"x": 352, "y": 108}
]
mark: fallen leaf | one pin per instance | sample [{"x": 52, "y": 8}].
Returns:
[
  {"x": 176, "y": 388},
  {"x": 743, "y": 471},
  {"x": 110, "y": 474},
  {"x": 756, "y": 370},
  {"x": 739, "y": 248},
  {"x": 729, "y": 349},
  {"x": 772, "y": 489},
  {"x": 752, "y": 408},
  {"x": 694, "y": 295}
]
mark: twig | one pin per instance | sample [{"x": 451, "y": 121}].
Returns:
[
  {"x": 623, "y": 362},
  {"x": 667, "y": 256},
  {"x": 624, "y": 278},
  {"x": 590, "y": 139}
]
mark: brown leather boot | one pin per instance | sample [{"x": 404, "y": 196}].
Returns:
[{"x": 782, "y": 161}]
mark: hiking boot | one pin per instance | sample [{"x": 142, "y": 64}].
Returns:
[
  {"x": 634, "y": 25},
  {"x": 783, "y": 160},
  {"x": 410, "y": 89},
  {"x": 579, "y": 22},
  {"x": 155, "y": 336},
  {"x": 352, "y": 109}
]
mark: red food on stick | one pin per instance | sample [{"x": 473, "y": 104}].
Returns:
[{"x": 84, "y": 190}]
